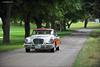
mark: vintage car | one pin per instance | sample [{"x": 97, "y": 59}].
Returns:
[{"x": 42, "y": 39}]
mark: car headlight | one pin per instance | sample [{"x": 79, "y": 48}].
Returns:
[
  {"x": 27, "y": 41},
  {"x": 51, "y": 40}
]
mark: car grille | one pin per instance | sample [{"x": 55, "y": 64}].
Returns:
[{"x": 38, "y": 41}]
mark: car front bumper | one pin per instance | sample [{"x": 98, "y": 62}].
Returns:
[{"x": 39, "y": 46}]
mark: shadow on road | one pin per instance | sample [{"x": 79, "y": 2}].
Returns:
[
  {"x": 81, "y": 33},
  {"x": 40, "y": 51}
]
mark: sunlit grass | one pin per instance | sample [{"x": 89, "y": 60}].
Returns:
[{"x": 81, "y": 25}]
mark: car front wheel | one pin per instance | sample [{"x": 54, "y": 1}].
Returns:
[
  {"x": 57, "y": 48},
  {"x": 27, "y": 49},
  {"x": 52, "y": 50}
]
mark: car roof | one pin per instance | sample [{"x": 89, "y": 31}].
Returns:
[{"x": 42, "y": 29}]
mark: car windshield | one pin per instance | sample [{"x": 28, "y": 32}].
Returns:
[{"x": 41, "y": 32}]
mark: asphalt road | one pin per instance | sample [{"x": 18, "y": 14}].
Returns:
[{"x": 69, "y": 49}]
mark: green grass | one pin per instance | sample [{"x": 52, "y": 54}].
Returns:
[
  {"x": 81, "y": 25},
  {"x": 17, "y": 38},
  {"x": 89, "y": 55},
  {"x": 4, "y": 48},
  {"x": 17, "y": 35},
  {"x": 65, "y": 33}
]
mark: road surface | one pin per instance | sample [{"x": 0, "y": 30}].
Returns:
[{"x": 69, "y": 49}]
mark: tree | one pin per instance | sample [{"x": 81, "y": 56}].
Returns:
[
  {"x": 22, "y": 11},
  {"x": 27, "y": 25},
  {"x": 91, "y": 8},
  {"x": 5, "y": 16},
  {"x": 71, "y": 11},
  {"x": 50, "y": 11}
]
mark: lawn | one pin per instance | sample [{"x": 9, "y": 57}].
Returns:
[
  {"x": 81, "y": 25},
  {"x": 89, "y": 56},
  {"x": 17, "y": 38},
  {"x": 17, "y": 35}
]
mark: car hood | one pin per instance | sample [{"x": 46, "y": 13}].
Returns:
[{"x": 45, "y": 37}]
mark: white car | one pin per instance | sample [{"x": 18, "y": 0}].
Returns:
[{"x": 42, "y": 39}]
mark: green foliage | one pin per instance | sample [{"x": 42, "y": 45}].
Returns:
[
  {"x": 47, "y": 9},
  {"x": 91, "y": 7}
]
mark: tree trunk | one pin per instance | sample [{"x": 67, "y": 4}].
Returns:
[
  {"x": 15, "y": 21},
  {"x": 69, "y": 24},
  {"x": 21, "y": 22},
  {"x": 6, "y": 24},
  {"x": 27, "y": 25},
  {"x": 63, "y": 25},
  {"x": 85, "y": 23},
  {"x": 47, "y": 25},
  {"x": 52, "y": 24},
  {"x": 38, "y": 22},
  {"x": 6, "y": 30}
]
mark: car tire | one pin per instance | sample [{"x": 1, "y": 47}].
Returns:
[
  {"x": 37, "y": 50},
  {"x": 52, "y": 50},
  {"x": 57, "y": 48},
  {"x": 27, "y": 50}
]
